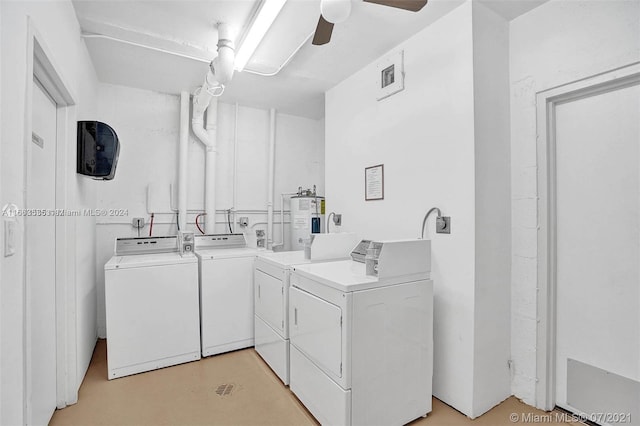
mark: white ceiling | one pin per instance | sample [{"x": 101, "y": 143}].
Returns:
[
  {"x": 511, "y": 9},
  {"x": 187, "y": 27}
]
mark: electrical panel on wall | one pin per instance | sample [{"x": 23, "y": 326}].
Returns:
[{"x": 98, "y": 149}]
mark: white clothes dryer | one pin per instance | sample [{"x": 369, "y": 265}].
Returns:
[
  {"x": 271, "y": 292},
  {"x": 362, "y": 345}
]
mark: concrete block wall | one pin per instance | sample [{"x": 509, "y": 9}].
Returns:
[{"x": 557, "y": 43}]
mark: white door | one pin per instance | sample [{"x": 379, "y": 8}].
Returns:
[
  {"x": 598, "y": 253},
  {"x": 41, "y": 261},
  {"x": 316, "y": 330},
  {"x": 269, "y": 301}
]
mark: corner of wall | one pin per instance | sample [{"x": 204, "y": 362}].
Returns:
[
  {"x": 492, "y": 291},
  {"x": 424, "y": 135}
]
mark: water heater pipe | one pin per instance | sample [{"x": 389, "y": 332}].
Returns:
[
  {"x": 272, "y": 160},
  {"x": 183, "y": 160}
]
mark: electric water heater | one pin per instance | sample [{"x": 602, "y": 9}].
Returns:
[
  {"x": 98, "y": 149},
  {"x": 307, "y": 217}
]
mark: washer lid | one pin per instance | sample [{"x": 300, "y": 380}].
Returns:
[{"x": 147, "y": 260}]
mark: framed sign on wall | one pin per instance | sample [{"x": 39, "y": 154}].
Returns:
[{"x": 374, "y": 183}]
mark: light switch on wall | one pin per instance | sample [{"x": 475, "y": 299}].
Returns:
[{"x": 10, "y": 229}]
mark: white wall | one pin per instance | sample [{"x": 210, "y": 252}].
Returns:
[
  {"x": 83, "y": 190},
  {"x": 56, "y": 22},
  {"x": 1, "y": 227},
  {"x": 147, "y": 124},
  {"x": 424, "y": 136},
  {"x": 492, "y": 331},
  {"x": 444, "y": 141},
  {"x": 555, "y": 44}
]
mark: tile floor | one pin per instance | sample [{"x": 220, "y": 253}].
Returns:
[{"x": 236, "y": 388}]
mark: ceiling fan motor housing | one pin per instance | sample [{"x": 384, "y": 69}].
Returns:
[{"x": 335, "y": 11}]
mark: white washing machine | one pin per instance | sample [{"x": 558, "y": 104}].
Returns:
[
  {"x": 226, "y": 292},
  {"x": 362, "y": 345},
  {"x": 152, "y": 306},
  {"x": 271, "y": 293}
]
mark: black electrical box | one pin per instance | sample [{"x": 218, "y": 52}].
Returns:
[{"x": 98, "y": 149}]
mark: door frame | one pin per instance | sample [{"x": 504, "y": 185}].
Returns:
[
  {"x": 546, "y": 103},
  {"x": 42, "y": 66}
]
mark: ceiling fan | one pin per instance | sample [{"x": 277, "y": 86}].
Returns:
[{"x": 336, "y": 11}]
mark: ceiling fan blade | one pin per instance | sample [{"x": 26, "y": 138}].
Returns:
[
  {"x": 412, "y": 5},
  {"x": 323, "y": 32}
]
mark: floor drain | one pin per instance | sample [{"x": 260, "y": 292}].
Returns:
[{"x": 224, "y": 390}]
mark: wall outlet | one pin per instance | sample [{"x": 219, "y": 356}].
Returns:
[
  {"x": 337, "y": 219},
  {"x": 243, "y": 221},
  {"x": 138, "y": 222},
  {"x": 443, "y": 225}
]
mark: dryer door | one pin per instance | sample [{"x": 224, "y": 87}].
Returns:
[
  {"x": 269, "y": 301},
  {"x": 316, "y": 330}
]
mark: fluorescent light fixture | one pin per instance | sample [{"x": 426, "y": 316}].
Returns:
[{"x": 261, "y": 24}]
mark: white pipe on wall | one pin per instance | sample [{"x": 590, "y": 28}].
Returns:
[
  {"x": 183, "y": 160},
  {"x": 235, "y": 165},
  {"x": 223, "y": 64},
  {"x": 205, "y": 99},
  {"x": 201, "y": 100},
  {"x": 272, "y": 160},
  {"x": 210, "y": 166},
  {"x": 281, "y": 243}
]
